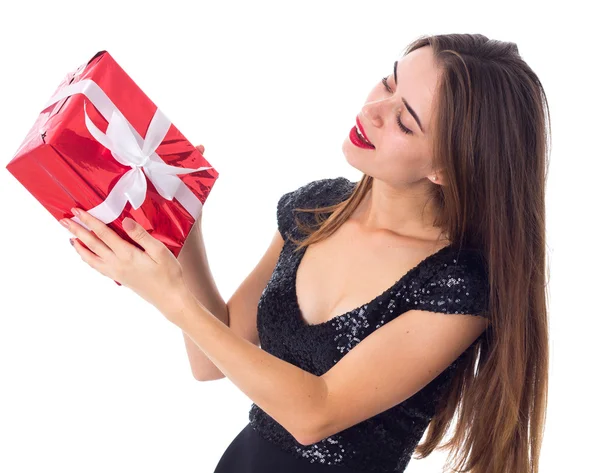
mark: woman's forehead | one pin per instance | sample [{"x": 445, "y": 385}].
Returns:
[{"x": 417, "y": 77}]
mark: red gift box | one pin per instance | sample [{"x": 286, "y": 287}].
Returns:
[{"x": 102, "y": 145}]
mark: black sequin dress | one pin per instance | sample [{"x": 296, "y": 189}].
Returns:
[{"x": 448, "y": 281}]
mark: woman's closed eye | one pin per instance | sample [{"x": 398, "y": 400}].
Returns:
[{"x": 402, "y": 127}]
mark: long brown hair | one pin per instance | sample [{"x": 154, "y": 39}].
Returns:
[{"x": 491, "y": 140}]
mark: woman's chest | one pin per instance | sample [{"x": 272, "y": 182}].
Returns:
[{"x": 348, "y": 270}]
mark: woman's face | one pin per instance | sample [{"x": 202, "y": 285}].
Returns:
[{"x": 402, "y": 153}]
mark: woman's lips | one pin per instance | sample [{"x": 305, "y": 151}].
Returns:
[
  {"x": 362, "y": 131},
  {"x": 358, "y": 141}
]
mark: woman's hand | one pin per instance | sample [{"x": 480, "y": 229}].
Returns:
[{"x": 155, "y": 274}]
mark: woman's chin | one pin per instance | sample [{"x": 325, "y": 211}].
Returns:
[{"x": 355, "y": 156}]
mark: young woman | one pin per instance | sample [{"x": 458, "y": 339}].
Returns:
[
  {"x": 395, "y": 305},
  {"x": 449, "y": 217}
]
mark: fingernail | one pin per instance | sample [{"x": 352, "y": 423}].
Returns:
[
  {"x": 75, "y": 211},
  {"x": 71, "y": 240},
  {"x": 64, "y": 222},
  {"x": 128, "y": 223}
]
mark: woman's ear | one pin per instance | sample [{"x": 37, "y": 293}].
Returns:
[{"x": 437, "y": 178}]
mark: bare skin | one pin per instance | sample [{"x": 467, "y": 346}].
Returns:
[
  {"x": 391, "y": 231},
  {"x": 388, "y": 225},
  {"x": 401, "y": 165}
]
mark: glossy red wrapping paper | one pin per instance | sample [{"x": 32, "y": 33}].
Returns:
[{"x": 63, "y": 166}]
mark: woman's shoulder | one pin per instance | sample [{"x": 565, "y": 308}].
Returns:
[
  {"x": 456, "y": 281},
  {"x": 320, "y": 190},
  {"x": 314, "y": 194}
]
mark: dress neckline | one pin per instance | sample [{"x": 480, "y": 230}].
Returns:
[{"x": 298, "y": 313}]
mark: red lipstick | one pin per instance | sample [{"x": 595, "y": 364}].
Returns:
[
  {"x": 357, "y": 139},
  {"x": 362, "y": 131}
]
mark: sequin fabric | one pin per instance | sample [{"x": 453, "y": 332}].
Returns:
[{"x": 447, "y": 281}]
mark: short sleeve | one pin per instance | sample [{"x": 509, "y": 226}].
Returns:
[
  {"x": 456, "y": 284},
  {"x": 315, "y": 194}
]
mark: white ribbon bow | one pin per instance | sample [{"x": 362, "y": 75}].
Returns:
[{"x": 130, "y": 149}]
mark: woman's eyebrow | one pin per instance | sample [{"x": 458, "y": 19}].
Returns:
[{"x": 408, "y": 107}]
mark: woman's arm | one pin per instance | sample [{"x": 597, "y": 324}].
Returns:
[
  {"x": 199, "y": 280},
  {"x": 287, "y": 393}
]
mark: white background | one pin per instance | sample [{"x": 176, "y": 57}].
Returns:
[{"x": 95, "y": 379}]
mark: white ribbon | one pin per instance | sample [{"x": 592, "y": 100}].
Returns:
[{"x": 130, "y": 149}]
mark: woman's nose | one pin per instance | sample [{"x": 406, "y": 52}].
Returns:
[
  {"x": 372, "y": 114},
  {"x": 377, "y": 110}
]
